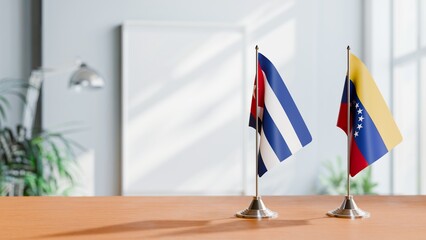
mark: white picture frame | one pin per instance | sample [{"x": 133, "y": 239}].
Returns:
[{"x": 172, "y": 143}]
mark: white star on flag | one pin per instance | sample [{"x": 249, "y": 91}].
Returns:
[{"x": 360, "y": 118}]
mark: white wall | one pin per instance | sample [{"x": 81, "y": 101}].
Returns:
[
  {"x": 15, "y": 48},
  {"x": 305, "y": 39}
]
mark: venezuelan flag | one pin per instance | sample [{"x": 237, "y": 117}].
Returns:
[{"x": 373, "y": 131}]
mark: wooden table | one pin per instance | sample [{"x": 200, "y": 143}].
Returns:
[{"x": 207, "y": 218}]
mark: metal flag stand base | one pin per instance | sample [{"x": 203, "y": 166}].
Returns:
[
  {"x": 257, "y": 209},
  {"x": 349, "y": 209}
]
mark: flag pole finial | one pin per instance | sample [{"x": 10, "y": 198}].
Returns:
[{"x": 348, "y": 48}]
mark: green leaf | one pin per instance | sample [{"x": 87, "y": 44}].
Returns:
[
  {"x": 47, "y": 160},
  {"x": 4, "y": 101}
]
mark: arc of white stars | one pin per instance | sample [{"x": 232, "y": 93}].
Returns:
[{"x": 360, "y": 119}]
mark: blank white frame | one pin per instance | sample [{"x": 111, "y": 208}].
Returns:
[{"x": 141, "y": 25}]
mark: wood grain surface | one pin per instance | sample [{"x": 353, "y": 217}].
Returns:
[{"x": 392, "y": 217}]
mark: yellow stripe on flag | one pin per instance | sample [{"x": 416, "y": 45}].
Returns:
[{"x": 373, "y": 102}]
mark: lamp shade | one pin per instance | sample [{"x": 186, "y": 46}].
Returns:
[{"x": 86, "y": 77}]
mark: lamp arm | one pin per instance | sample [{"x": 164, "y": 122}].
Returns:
[
  {"x": 32, "y": 97},
  {"x": 48, "y": 71},
  {"x": 83, "y": 76},
  {"x": 33, "y": 93}
]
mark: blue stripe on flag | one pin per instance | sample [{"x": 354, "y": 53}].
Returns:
[
  {"x": 277, "y": 84},
  {"x": 261, "y": 166},
  {"x": 345, "y": 91},
  {"x": 275, "y": 139},
  {"x": 369, "y": 140},
  {"x": 252, "y": 123}
]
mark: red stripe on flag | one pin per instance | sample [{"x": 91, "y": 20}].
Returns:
[
  {"x": 342, "y": 121},
  {"x": 358, "y": 161},
  {"x": 261, "y": 92}
]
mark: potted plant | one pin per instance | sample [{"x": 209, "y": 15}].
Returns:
[
  {"x": 334, "y": 180},
  {"x": 41, "y": 164}
]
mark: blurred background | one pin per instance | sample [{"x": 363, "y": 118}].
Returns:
[{"x": 172, "y": 117}]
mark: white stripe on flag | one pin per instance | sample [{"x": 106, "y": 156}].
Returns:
[
  {"x": 269, "y": 157},
  {"x": 280, "y": 118}
]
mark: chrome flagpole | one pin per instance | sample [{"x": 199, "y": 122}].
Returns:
[
  {"x": 348, "y": 209},
  {"x": 257, "y": 208},
  {"x": 257, "y": 121}
]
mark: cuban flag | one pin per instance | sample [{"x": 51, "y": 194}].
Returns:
[
  {"x": 373, "y": 131},
  {"x": 281, "y": 127}
]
